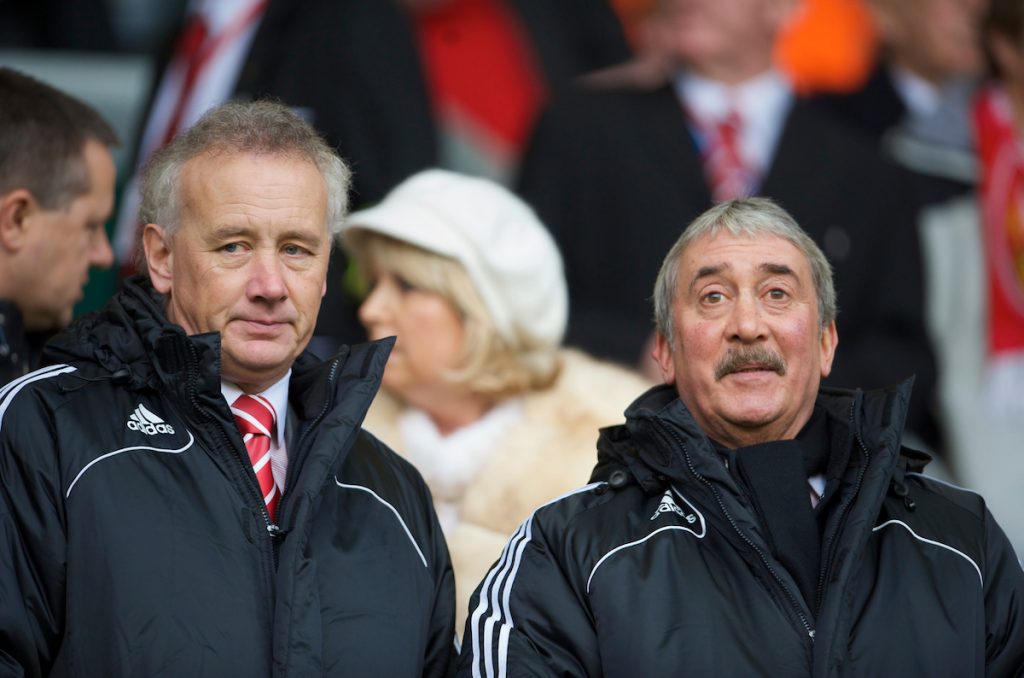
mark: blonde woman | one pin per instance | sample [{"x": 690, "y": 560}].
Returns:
[{"x": 478, "y": 392}]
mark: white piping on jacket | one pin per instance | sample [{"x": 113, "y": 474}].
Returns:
[
  {"x": 8, "y": 392},
  {"x": 934, "y": 543},
  {"x": 147, "y": 448},
  {"x": 393, "y": 510},
  {"x": 684, "y": 528},
  {"x": 502, "y": 577}
]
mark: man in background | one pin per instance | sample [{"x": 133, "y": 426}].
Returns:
[{"x": 56, "y": 193}]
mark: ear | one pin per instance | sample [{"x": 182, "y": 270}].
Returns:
[
  {"x": 829, "y": 342},
  {"x": 662, "y": 355},
  {"x": 14, "y": 209},
  {"x": 159, "y": 256}
]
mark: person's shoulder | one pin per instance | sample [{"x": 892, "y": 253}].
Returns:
[
  {"x": 42, "y": 388},
  {"x": 591, "y": 520},
  {"x": 944, "y": 496},
  {"x": 370, "y": 456},
  {"x": 588, "y": 392},
  {"x": 373, "y": 466},
  {"x": 813, "y": 116},
  {"x": 935, "y": 513}
]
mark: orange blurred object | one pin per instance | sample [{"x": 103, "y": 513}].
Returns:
[{"x": 829, "y": 46}]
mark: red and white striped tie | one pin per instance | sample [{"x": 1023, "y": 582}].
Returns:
[
  {"x": 728, "y": 176},
  {"x": 256, "y": 419}
]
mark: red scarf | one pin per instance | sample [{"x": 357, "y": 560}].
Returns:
[{"x": 1001, "y": 154}]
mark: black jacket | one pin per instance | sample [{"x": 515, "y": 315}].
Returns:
[
  {"x": 146, "y": 550},
  {"x": 16, "y": 355},
  {"x": 661, "y": 567}
]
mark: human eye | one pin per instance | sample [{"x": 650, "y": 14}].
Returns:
[
  {"x": 404, "y": 285},
  {"x": 778, "y": 294},
  {"x": 293, "y": 250},
  {"x": 712, "y": 298}
]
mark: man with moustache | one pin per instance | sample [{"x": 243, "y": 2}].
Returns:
[
  {"x": 185, "y": 490},
  {"x": 746, "y": 520},
  {"x": 56, "y": 192}
]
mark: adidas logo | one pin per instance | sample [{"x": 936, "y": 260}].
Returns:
[
  {"x": 669, "y": 504},
  {"x": 144, "y": 421}
]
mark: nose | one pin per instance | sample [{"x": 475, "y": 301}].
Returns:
[
  {"x": 746, "y": 322},
  {"x": 266, "y": 281},
  {"x": 101, "y": 254},
  {"x": 371, "y": 311}
]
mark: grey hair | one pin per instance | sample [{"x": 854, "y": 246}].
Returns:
[
  {"x": 258, "y": 127},
  {"x": 746, "y": 217}
]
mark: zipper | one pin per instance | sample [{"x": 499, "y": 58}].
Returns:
[
  {"x": 289, "y": 480},
  {"x": 826, "y": 566},
  {"x": 808, "y": 629},
  {"x": 250, "y": 487},
  {"x": 277, "y": 534}
]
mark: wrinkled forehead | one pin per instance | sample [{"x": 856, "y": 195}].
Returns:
[{"x": 725, "y": 254}]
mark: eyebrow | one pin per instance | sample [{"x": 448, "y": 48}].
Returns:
[
  {"x": 715, "y": 269},
  {"x": 777, "y": 269},
  {"x": 707, "y": 272},
  {"x": 227, "y": 232}
]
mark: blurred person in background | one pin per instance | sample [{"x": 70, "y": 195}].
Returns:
[
  {"x": 975, "y": 248},
  {"x": 615, "y": 173},
  {"x": 478, "y": 392},
  {"x": 916, "y": 101},
  {"x": 56, "y": 192}
]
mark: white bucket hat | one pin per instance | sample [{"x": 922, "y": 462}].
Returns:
[{"x": 508, "y": 254}]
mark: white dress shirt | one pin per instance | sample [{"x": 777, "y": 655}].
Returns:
[{"x": 762, "y": 103}]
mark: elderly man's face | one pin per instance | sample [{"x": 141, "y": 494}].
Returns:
[
  {"x": 748, "y": 352},
  {"x": 249, "y": 260}
]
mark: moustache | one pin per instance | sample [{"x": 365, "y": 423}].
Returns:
[{"x": 737, "y": 359}]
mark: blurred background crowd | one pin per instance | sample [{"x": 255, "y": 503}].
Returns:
[{"x": 889, "y": 128}]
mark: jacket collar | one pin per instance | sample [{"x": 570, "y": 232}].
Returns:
[
  {"x": 132, "y": 341},
  {"x": 660, "y": 439}
]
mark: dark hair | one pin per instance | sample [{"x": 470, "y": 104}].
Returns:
[
  {"x": 1005, "y": 17},
  {"x": 43, "y": 133}
]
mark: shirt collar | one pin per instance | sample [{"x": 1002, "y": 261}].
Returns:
[
  {"x": 753, "y": 98},
  {"x": 277, "y": 394},
  {"x": 762, "y": 103},
  {"x": 921, "y": 97}
]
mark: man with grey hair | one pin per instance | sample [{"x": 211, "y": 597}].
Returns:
[
  {"x": 746, "y": 520},
  {"x": 56, "y": 192},
  {"x": 185, "y": 490}
]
